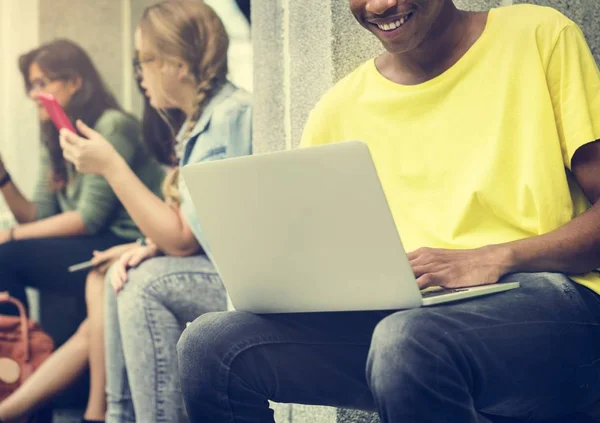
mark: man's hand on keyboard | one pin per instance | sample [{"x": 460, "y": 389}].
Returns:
[{"x": 459, "y": 268}]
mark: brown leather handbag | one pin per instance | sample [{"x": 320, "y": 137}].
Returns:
[{"x": 23, "y": 347}]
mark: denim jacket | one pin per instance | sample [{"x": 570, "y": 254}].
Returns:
[{"x": 224, "y": 130}]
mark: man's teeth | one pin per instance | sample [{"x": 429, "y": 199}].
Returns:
[{"x": 393, "y": 25}]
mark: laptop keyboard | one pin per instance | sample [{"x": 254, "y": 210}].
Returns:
[{"x": 441, "y": 291}]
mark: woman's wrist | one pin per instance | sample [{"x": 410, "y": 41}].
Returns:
[
  {"x": 148, "y": 245},
  {"x": 114, "y": 167}
]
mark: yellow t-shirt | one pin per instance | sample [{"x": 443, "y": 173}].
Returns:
[{"x": 480, "y": 154}]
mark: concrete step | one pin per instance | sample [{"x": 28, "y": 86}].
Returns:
[
  {"x": 295, "y": 413},
  {"x": 67, "y": 416}
]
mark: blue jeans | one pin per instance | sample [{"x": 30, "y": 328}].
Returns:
[
  {"x": 531, "y": 353},
  {"x": 143, "y": 324}
]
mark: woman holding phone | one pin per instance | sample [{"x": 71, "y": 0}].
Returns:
[
  {"x": 155, "y": 289},
  {"x": 71, "y": 214}
]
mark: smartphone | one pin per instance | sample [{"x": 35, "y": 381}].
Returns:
[
  {"x": 56, "y": 112},
  {"x": 86, "y": 265}
]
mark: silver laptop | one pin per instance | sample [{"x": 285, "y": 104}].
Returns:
[{"x": 308, "y": 230}]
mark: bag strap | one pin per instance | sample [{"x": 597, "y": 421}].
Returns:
[{"x": 6, "y": 298}]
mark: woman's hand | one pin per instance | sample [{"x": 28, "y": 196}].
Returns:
[
  {"x": 103, "y": 259},
  {"x": 128, "y": 260},
  {"x": 92, "y": 154}
]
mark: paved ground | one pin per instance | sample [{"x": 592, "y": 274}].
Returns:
[{"x": 67, "y": 416}]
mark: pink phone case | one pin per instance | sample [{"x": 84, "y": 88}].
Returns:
[{"x": 56, "y": 112}]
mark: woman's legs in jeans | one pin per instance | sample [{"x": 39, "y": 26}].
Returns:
[
  {"x": 160, "y": 296},
  {"x": 118, "y": 395},
  {"x": 532, "y": 353}
]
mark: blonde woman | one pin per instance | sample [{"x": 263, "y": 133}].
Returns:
[{"x": 182, "y": 63}]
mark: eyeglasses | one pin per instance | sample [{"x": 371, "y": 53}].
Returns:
[
  {"x": 138, "y": 71},
  {"x": 39, "y": 84}
]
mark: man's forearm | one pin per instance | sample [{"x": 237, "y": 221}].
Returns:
[{"x": 573, "y": 248}]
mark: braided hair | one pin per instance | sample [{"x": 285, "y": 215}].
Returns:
[{"x": 191, "y": 31}]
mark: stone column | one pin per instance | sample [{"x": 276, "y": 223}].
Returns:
[{"x": 301, "y": 49}]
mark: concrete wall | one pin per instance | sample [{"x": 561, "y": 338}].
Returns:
[
  {"x": 302, "y": 48},
  {"x": 19, "y": 134}
]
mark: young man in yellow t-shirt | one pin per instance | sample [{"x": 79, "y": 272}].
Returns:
[{"x": 484, "y": 129}]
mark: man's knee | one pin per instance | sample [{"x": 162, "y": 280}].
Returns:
[
  {"x": 211, "y": 334},
  {"x": 211, "y": 341},
  {"x": 398, "y": 330},
  {"x": 401, "y": 341}
]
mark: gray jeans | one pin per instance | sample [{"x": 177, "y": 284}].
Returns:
[
  {"x": 531, "y": 354},
  {"x": 143, "y": 325}
]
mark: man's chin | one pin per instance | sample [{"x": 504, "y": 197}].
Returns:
[{"x": 400, "y": 48}]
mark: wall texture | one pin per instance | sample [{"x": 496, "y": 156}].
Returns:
[{"x": 19, "y": 134}]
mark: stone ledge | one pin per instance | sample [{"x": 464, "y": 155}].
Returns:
[{"x": 296, "y": 413}]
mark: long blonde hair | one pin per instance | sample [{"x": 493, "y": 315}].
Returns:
[{"x": 188, "y": 30}]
